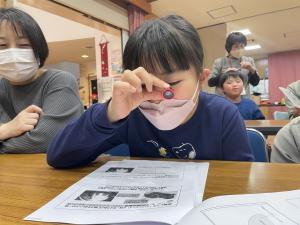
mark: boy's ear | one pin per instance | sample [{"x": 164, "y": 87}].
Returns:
[{"x": 204, "y": 75}]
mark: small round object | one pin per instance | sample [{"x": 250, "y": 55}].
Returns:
[{"x": 168, "y": 93}]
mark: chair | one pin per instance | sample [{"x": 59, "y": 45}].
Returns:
[
  {"x": 258, "y": 145},
  {"x": 120, "y": 150},
  {"x": 279, "y": 115}
]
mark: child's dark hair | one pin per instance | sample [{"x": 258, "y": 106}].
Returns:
[
  {"x": 163, "y": 46},
  {"x": 235, "y": 38},
  {"x": 229, "y": 74},
  {"x": 24, "y": 25}
]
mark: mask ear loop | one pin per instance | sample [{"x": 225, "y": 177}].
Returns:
[
  {"x": 38, "y": 61},
  {"x": 195, "y": 93}
]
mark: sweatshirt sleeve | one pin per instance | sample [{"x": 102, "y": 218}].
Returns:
[
  {"x": 85, "y": 138},
  {"x": 253, "y": 77},
  {"x": 235, "y": 140},
  {"x": 61, "y": 103},
  {"x": 213, "y": 79},
  {"x": 295, "y": 89},
  {"x": 257, "y": 114}
]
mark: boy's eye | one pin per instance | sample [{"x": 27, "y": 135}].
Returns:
[{"x": 174, "y": 83}]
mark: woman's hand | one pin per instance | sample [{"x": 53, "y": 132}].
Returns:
[
  {"x": 25, "y": 121},
  {"x": 128, "y": 93},
  {"x": 248, "y": 66}
]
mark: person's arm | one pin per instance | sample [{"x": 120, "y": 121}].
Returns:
[
  {"x": 257, "y": 114},
  {"x": 292, "y": 110},
  {"x": 4, "y": 118},
  {"x": 84, "y": 139},
  {"x": 234, "y": 137},
  {"x": 286, "y": 148},
  {"x": 2, "y": 133},
  {"x": 60, "y": 105},
  {"x": 213, "y": 78}
]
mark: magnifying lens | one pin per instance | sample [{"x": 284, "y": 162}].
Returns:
[{"x": 168, "y": 93}]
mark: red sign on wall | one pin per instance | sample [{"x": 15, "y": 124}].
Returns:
[{"x": 104, "y": 59}]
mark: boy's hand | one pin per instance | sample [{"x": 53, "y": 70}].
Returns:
[
  {"x": 128, "y": 93},
  {"x": 23, "y": 122}
]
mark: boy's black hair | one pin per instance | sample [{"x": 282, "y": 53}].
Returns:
[
  {"x": 227, "y": 75},
  {"x": 235, "y": 38},
  {"x": 24, "y": 24},
  {"x": 163, "y": 46}
]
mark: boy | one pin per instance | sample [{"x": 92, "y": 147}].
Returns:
[
  {"x": 232, "y": 84},
  {"x": 157, "y": 107}
]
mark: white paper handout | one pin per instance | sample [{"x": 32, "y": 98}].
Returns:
[
  {"x": 129, "y": 191},
  {"x": 281, "y": 208},
  {"x": 291, "y": 96}
]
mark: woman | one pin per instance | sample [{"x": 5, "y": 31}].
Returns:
[
  {"x": 235, "y": 60},
  {"x": 34, "y": 102}
]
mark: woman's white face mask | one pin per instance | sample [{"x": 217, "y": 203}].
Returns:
[
  {"x": 237, "y": 53},
  {"x": 18, "y": 65}
]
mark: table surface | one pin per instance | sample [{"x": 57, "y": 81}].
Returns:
[
  {"x": 27, "y": 182},
  {"x": 266, "y": 123},
  {"x": 267, "y": 127}
]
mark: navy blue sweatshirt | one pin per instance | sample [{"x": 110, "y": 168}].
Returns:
[
  {"x": 216, "y": 131},
  {"x": 249, "y": 110}
]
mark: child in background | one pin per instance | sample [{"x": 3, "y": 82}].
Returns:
[
  {"x": 232, "y": 84},
  {"x": 157, "y": 107}
]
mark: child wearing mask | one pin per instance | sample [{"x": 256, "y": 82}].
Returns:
[
  {"x": 235, "y": 44},
  {"x": 157, "y": 107},
  {"x": 34, "y": 102},
  {"x": 232, "y": 83}
]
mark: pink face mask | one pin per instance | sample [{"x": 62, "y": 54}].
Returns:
[{"x": 168, "y": 114}]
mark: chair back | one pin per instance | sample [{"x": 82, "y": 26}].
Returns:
[{"x": 258, "y": 145}]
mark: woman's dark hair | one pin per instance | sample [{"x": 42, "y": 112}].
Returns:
[
  {"x": 163, "y": 46},
  {"x": 235, "y": 38},
  {"x": 24, "y": 24},
  {"x": 228, "y": 75}
]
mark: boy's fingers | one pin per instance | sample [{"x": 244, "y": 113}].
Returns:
[
  {"x": 159, "y": 83},
  {"x": 154, "y": 95},
  {"x": 145, "y": 77},
  {"x": 133, "y": 79},
  {"x": 123, "y": 87}
]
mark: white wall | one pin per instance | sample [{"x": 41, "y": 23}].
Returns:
[
  {"x": 71, "y": 67},
  {"x": 101, "y": 9},
  {"x": 57, "y": 28},
  {"x": 213, "y": 40}
]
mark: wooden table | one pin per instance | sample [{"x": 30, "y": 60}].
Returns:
[
  {"x": 27, "y": 183},
  {"x": 267, "y": 127}
]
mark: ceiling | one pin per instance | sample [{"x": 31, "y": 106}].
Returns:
[
  {"x": 273, "y": 23},
  {"x": 71, "y": 51}
]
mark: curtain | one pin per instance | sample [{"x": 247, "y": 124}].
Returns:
[
  {"x": 136, "y": 17},
  {"x": 284, "y": 68}
]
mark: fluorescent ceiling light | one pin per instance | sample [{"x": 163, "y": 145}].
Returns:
[
  {"x": 84, "y": 56},
  {"x": 252, "y": 47},
  {"x": 244, "y": 31}
]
